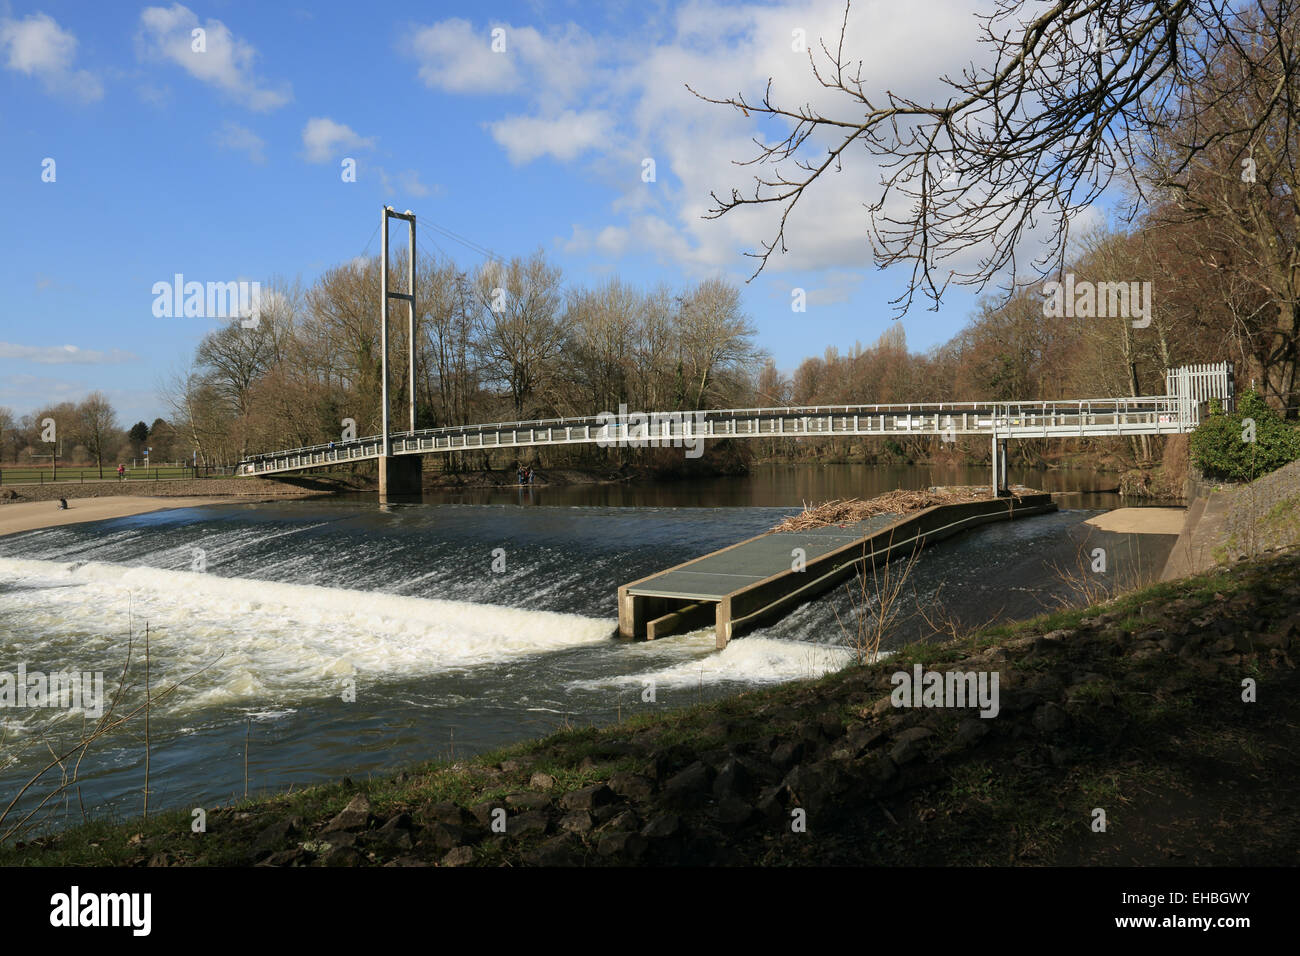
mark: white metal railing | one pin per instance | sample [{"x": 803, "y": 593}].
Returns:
[{"x": 1178, "y": 411}]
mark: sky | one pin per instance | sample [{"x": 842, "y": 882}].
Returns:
[{"x": 128, "y": 156}]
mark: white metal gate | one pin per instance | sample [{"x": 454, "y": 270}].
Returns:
[{"x": 1194, "y": 385}]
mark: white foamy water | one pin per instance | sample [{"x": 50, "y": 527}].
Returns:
[
  {"x": 751, "y": 659},
  {"x": 261, "y": 641}
]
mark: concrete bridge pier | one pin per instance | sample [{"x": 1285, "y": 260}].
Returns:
[
  {"x": 1000, "y": 489},
  {"x": 400, "y": 476}
]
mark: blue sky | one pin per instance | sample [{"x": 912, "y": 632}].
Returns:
[{"x": 225, "y": 164}]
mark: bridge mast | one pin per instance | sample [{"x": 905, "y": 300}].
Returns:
[{"x": 396, "y": 476}]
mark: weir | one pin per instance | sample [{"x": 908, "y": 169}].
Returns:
[{"x": 756, "y": 580}]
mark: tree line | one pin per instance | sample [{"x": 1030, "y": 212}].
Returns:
[{"x": 84, "y": 433}]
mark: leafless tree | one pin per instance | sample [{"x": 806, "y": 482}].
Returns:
[
  {"x": 95, "y": 427},
  {"x": 518, "y": 321},
  {"x": 1018, "y": 148}
]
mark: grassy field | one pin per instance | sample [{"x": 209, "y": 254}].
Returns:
[{"x": 19, "y": 475}]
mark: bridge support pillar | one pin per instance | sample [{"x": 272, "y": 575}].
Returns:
[
  {"x": 400, "y": 476},
  {"x": 999, "y": 483}
]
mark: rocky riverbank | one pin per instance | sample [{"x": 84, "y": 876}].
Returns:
[{"x": 1135, "y": 708}]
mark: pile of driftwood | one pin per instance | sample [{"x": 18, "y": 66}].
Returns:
[{"x": 844, "y": 511}]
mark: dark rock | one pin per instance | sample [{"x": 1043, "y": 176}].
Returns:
[
  {"x": 444, "y": 836},
  {"x": 813, "y": 785},
  {"x": 733, "y": 812},
  {"x": 787, "y": 754},
  {"x": 588, "y": 798},
  {"x": 459, "y": 856},
  {"x": 528, "y": 801},
  {"x": 400, "y": 821},
  {"x": 295, "y": 857},
  {"x": 528, "y": 824},
  {"x": 483, "y": 812},
  {"x": 632, "y": 786},
  {"x": 672, "y": 759},
  {"x": 694, "y": 779},
  {"x": 354, "y": 816},
  {"x": 336, "y": 838},
  {"x": 733, "y": 779},
  {"x": 1171, "y": 643},
  {"x": 772, "y": 801},
  {"x": 832, "y": 727},
  {"x": 624, "y": 820},
  {"x": 446, "y": 812},
  {"x": 277, "y": 832},
  {"x": 557, "y": 851},
  {"x": 621, "y": 844},
  {"x": 714, "y": 759},
  {"x": 863, "y": 738},
  {"x": 971, "y": 730},
  {"x": 907, "y": 744},
  {"x": 579, "y": 821},
  {"x": 342, "y": 856},
  {"x": 389, "y": 842},
  {"x": 662, "y": 827}
]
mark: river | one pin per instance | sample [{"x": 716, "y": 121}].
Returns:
[{"x": 458, "y": 624}]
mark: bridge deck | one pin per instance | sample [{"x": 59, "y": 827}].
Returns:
[{"x": 1075, "y": 419}]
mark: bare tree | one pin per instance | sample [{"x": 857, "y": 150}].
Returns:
[
  {"x": 1027, "y": 140},
  {"x": 95, "y": 427},
  {"x": 717, "y": 342},
  {"x": 1238, "y": 193},
  {"x": 519, "y": 330}
]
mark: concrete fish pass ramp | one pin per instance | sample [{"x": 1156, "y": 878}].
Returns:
[{"x": 761, "y": 578}]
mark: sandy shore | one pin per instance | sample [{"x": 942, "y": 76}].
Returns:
[
  {"x": 1141, "y": 520},
  {"x": 30, "y": 515}
]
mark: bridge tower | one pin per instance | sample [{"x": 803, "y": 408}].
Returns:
[{"x": 399, "y": 475}]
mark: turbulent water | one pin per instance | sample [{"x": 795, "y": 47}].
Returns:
[{"x": 455, "y": 627}]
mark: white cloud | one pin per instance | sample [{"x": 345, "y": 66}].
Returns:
[
  {"x": 38, "y": 47},
  {"x": 566, "y": 136},
  {"x": 226, "y": 61},
  {"x": 611, "y": 102},
  {"x": 241, "y": 138},
  {"x": 323, "y": 140},
  {"x": 407, "y": 182},
  {"x": 63, "y": 355},
  {"x": 456, "y": 57}
]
